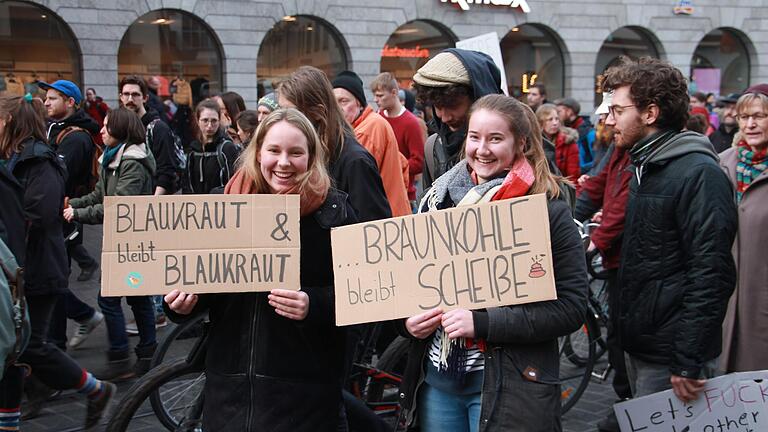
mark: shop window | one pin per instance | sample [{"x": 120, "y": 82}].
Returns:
[
  {"x": 297, "y": 41},
  {"x": 411, "y": 46},
  {"x": 721, "y": 63},
  {"x": 532, "y": 55},
  {"x": 632, "y": 42},
  {"x": 35, "y": 44},
  {"x": 171, "y": 45}
]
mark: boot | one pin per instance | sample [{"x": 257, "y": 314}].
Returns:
[
  {"x": 143, "y": 359},
  {"x": 118, "y": 367},
  {"x": 37, "y": 395}
]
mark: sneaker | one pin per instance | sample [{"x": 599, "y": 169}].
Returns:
[
  {"x": 133, "y": 330},
  {"x": 87, "y": 273},
  {"x": 84, "y": 329},
  {"x": 97, "y": 407}
]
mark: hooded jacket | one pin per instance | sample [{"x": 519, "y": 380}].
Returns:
[
  {"x": 676, "y": 270},
  {"x": 162, "y": 148},
  {"x": 12, "y": 226},
  {"x": 485, "y": 79},
  {"x": 721, "y": 139},
  {"x": 210, "y": 166},
  {"x": 130, "y": 173},
  {"x": 41, "y": 174},
  {"x": 76, "y": 149}
]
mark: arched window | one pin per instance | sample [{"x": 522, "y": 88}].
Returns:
[
  {"x": 628, "y": 41},
  {"x": 35, "y": 44},
  {"x": 297, "y": 41},
  {"x": 532, "y": 55},
  {"x": 411, "y": 46},
  {"x": 172, "y": 44},
  {"x": 721, "y": 63}
]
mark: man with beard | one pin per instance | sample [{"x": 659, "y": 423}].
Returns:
[
  {"x": 676, "y": 270},
  {"x": 722, "y": 138},
  {"x": 450, "y": 82}
]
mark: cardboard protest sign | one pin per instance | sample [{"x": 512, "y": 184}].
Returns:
[
  {"x": 734, "y": 402},
  {"x": 469, "y": 257},
  {"x": 199, "y": 244}
]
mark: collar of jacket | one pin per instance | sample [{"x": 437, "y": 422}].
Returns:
[{"x": 647, "y": 146}]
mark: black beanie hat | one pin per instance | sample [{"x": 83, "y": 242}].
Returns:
[{"x": 352, "y": 83}]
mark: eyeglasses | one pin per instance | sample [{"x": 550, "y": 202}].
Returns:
[
  {"x": 209, "y": 121},
  {"x": 131, "y": 95},
  {"x": 617, "y": 110},
  {"x": 758, "y": 117}
]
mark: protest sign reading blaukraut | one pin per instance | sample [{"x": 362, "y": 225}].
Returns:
[
  {"x": 471, "y": 257},
  {"x": 200, "y": 244},
  {"x": 736, "y": 402}
]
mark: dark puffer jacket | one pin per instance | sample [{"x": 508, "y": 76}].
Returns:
[
  {"x": 677, "y": 271},
  {"x": 265, "y": 372},
  {"x": 76, "y": 149},
  {"x": 41, "y": 173}
]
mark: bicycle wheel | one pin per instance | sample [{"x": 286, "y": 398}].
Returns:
[
  {"x": 142, "y": 390},
  {"x": 384, "y": 382},
  {"x": 178, "y": 343},
  {"x": 574, "y": 378}
]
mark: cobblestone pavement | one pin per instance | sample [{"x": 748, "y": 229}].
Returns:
[{"x": 67, "y": 412}]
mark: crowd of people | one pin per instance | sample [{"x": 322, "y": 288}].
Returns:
[{"x": 675, "y": 182}]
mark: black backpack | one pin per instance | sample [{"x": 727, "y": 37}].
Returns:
[
  {"x": 179, "y": 159},
  {"x": 197, "y": 160}
]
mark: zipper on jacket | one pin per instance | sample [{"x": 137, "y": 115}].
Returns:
[{"x": 254, "y": 326}]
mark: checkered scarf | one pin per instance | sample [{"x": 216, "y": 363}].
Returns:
[{"x": 751, "y": 164}]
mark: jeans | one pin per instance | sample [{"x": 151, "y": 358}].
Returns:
[
  {"x": 157, "y": 301},
  {"x": 445, "y": 412},
  {"x": 50, "y": 365},
  {"x": 69, "y": 306},
  {"x": 143, "y": 312},
  {"x": 648, "y": 378}
]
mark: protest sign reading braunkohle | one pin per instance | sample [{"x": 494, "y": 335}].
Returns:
[
  {"x": 200, "y": 244},
  {"x": 736, "y": 402},
  {"x": 471, "y": 257}
]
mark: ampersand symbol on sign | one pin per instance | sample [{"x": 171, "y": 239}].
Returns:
[{"x": 281, "y": 219}]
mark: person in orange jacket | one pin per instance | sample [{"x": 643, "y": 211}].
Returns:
[{"x": 376, "y": 135}]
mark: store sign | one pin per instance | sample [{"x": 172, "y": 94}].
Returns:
[
  {"x": 464, "y": 4},
  {"x": 684, "y": 7},
  {"x": 417, "y": 52},
  {"x": 528, "y": 81}
]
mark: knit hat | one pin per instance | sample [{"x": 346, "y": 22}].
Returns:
[
  {"x": 270, "y": 101},
  {"x": 443, "y": 70},
  {"x": 570, "y": 103},
  {"x": 352, "y": 83},
  {"x": 758, "y": 88}
]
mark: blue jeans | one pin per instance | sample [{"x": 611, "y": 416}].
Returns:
[
  {"x": 143, "y": 312},
  {"x": 157, "y": 301},
  {"x": 445, "y": 412}
]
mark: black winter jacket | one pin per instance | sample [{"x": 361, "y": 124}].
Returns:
[
  {"x": 41, "y": 173},
  {"x": 163, "y": 148},
  {"x": 265, "y": 372},
  {"x": 12, "y": 226},
  {"x": 677, "y": 272},
  {"x": 210, "y": 168},
  {"x": 721, "y": 139},
  {"x": 76, "y": 149},
  {"x": 355, "y": 172},
  {"x": 521, "y": 339}
]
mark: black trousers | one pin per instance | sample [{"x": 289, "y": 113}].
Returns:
[
  {"x": 75, "y": 249},
  {"x": 615, "y": 352}
]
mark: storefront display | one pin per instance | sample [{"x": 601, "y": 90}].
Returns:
[
  {"x": 532, "y": 55},
  {"x": 720, "y": 64},
  {"x": 411, "y": 46}
]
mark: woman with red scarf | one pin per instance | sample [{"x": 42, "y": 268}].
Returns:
[
  {"x": 746, "y": 322},
  {"x": 496, "y": 369},
  {"x": 275, "y": 360},
  {"x": 565, "y": 140}
]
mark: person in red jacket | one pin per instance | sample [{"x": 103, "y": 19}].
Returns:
[
  {"x": 609, "y": 190},
  {"x": 97, "y": 109},
  {"x": 565, "y": 141}
]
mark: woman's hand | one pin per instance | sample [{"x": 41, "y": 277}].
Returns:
[
  {"x": 424, "y": 324},
  {"x": 69, "y": 214},
  {"x": 290, "y": 304},
  {"x": 459, "y": 323},
  {"x": 180, "y": 302}
]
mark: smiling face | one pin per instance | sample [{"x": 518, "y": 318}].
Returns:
[
  {"x": 283, "y": 156},
  {"x": 490, "y": 147}
]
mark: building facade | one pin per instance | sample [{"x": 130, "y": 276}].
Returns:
[{"x": 247, "y": 46}]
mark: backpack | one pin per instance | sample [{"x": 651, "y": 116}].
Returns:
[
  {"x": 93, "y": 175},
  {"x": 221, "y": 158},
  {"x": 178, "y": 159},
  {"x": 14, "y": 317}
]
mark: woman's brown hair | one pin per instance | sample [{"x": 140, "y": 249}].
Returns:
[
  {"x": 316, "y": 180},
  {"x": 205, "y": 104},
  {"x": 247, "y": 121},
  {"x": 525, "y": 129},
  {"x": 125, "y": 126},
  {"x": 310, "y": 91},
  {"x": 24, "y": 119}
]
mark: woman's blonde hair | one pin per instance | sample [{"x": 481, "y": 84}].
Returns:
[
  {"x": 544, "y": 111},
  {"x": 525, "y": 129},
  {"x": 315, "y": 181}
]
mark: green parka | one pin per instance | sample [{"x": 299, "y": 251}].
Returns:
[{"x": 130, "y": 173}]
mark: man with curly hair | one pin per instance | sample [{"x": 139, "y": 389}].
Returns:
[
  {"x": 450, "y": 82},
  {"x": 676, "y": 272}
]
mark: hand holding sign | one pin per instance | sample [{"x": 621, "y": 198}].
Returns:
[
  {"x": 424, "y": 324},
  {"x": 181, "y": 302},
  {"x": 687, "y": 389},
  {"x": 290, "y": 304},
  {"x": 459, "y": 323}
]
